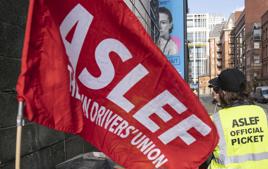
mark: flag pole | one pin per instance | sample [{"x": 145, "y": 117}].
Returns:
[{"x": 20, "y": 123}]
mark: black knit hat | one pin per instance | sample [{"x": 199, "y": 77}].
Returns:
[{"x": 231, "y": 80}]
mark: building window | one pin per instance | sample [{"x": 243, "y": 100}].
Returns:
[
  {"x": 256, "y": 45},
  {"x": 190, "y": 23},
  {"x": 257, "y": 34},
  {"x": 256, "y": 60},
  {"x": 200, "y": 37},
  {"x": 190, "y": 36}
]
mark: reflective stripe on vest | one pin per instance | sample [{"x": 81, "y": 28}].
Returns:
[{"x": 223, "y": 157}]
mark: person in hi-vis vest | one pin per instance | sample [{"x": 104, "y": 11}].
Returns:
[{"x": 241, "y": 125}]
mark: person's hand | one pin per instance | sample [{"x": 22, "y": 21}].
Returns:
[{"x": 118, "y": 167}]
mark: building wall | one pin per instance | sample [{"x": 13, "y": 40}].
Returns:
[
  {"x": 42, "y": 148},
  {"x": 239, "y": 43},
  {"x": 227, "y": 62},
  {"x": 252, "y": 22},
  {"x": 203, "y": 85},
  {"x": 147, "y": 17},
  {"x": 197, "y": 32},
  {"x": 215, "y": 50},
  {"x": 198, "y": 29},
  {"x": 222, "y": 45},
  {"x": 227, "y": 41},
  {"x": 264, "y": 46},
  {"x": 254, "y": 9},
  {"x": 139, "y": 8},
  {"x": 213, "y": 56}
]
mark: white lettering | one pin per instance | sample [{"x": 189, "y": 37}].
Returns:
[
  {"x": 109, "y": 119},
  {"x": 106, "y": 66},
  {"x": 180, "y": 130},
  {"x": 144, "y": 144},
  {"x": 117, "y": 94},
  {"x": 115, "y": 123},
  {"x": 156, "y": 106},
  {"x": 152, "y": 155},
  {"x": 102, "y": 111},
  {"x": 160, "y": 161},
  {"x": 94, "y": 111},
  {"x": 127, "y": 132},
  {"x": 137, "y": 139},
  {"x": 122, "y": 126},
  {"x": 82, "y": 18},
  {"x": 85, "y": 104}
]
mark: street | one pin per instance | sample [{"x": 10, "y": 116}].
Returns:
[{"x": 207, "y": 103}]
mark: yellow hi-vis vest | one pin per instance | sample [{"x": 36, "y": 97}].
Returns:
[{"x": 243, "y": 140}]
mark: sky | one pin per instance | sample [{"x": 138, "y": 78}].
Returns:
[{"x": 223, "y": 7}]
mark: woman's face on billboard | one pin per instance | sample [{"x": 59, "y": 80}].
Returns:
[{"x": 164, "y": 24}]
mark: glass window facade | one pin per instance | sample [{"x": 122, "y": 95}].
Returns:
[{"x": 198, "y": 29}]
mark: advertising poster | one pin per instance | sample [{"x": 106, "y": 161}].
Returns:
[{"x": 171, "y": 37}]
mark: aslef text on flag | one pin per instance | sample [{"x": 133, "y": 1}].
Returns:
[{"x": 135, "y": 106}]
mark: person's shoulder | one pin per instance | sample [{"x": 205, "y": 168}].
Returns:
[
  {"x": 173, "y": 48},
  {"x": 172, "y": 43}
]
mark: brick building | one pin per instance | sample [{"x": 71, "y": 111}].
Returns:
[
  {"x": 221, "y": 45},
  {"x": 215, "y": 58},
  {"x": 254, "y": 9},
  {"x": 238, "y": 34},
  {"x": 247, "y": 41},
  {"x": 264, "y": 48},
  {"x": 226, "y": 42},
  {"x": 214, "y": 50}
]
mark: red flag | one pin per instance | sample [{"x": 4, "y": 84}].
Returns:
[
  {"x": 44, "y": 79},
  {"x": 93, "y": 60}
]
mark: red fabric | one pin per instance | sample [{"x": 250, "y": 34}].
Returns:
[
  {"x": 44, "y": 85},
  {"x": 44, "y": 80}
]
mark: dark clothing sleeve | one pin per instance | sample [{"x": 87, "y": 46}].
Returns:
[{"x": 207, "y": 162}]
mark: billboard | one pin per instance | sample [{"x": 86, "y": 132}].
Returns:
[{"x": 171, "y": 27}]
